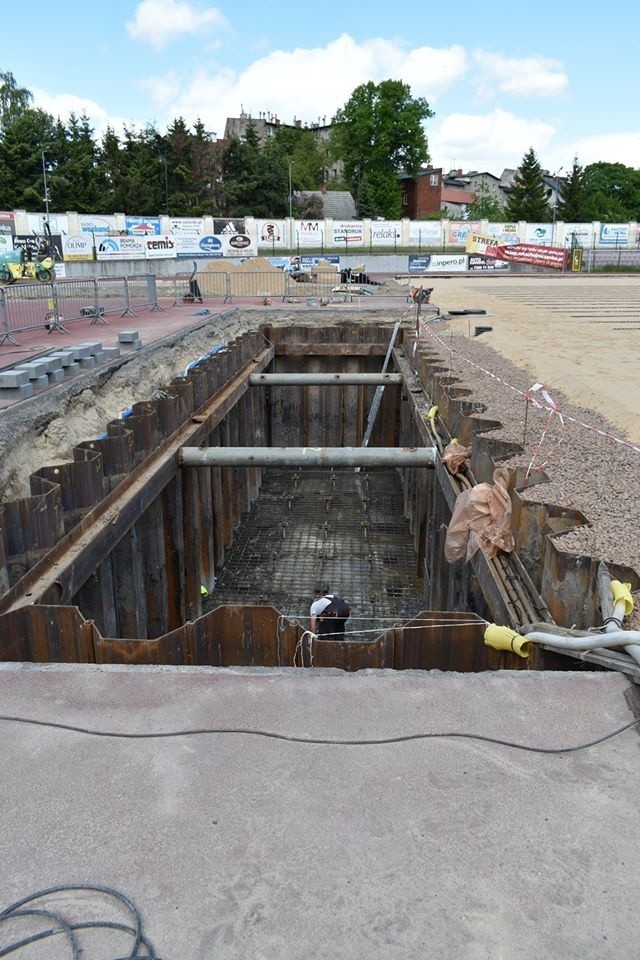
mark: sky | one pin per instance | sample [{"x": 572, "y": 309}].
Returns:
[{"x": 560, "y": 77}]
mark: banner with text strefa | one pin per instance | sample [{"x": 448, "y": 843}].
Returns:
[{"x": 553, "y": 257}]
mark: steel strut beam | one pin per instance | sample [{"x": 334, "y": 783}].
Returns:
[
  {"x": 324, "y": 379},
  {"x": 307, "y": 457}
]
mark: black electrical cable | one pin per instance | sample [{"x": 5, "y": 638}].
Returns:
[
  {"x": 134, "y": 929},
  {"x": 321, "y": 741}
]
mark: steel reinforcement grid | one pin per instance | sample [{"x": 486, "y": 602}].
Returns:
[{"x": 315, "y": 530}]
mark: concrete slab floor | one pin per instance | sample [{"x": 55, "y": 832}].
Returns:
[{"x": 249, "y": 848}]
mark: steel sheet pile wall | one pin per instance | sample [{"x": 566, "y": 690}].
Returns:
[
  {"x": 566, "y": 583},
  {"x": 148, "y": 581},
  {"x": 334, "y": 416},
  {"x": 106, "y": 560}
]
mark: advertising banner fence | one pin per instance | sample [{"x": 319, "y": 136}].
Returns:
[{"x": 553, "y": 257}]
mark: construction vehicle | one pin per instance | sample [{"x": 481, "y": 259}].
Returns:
[{"x": 17, "y": 265}]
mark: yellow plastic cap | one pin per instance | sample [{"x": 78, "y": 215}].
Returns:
[
  {"x": 622, "y": 591},
  {"x": 503, "y": 638},
  {"x": 432, "y": 413}
]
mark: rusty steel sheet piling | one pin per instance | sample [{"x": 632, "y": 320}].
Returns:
[{"x": 106, "y": 561}]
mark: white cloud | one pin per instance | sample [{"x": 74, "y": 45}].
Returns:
[
  {"x": 63, "y": 104},
  {"x": 606, "y": 148},
  {"x": 525, "y": 77},
  {"x": 158, "y": 22},
  {"x": 307, "y": 83},
  {"x": 312, "y": 83},
  {"x": 489, "y": 142}
]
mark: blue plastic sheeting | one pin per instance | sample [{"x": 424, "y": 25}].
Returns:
[{"x": 205, "y": 356}]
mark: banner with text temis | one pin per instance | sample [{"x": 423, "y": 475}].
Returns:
[{"x": 553, "y": 257}]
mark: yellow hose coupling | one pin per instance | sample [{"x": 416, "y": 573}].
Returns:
[
  {"x": 622, "y": 591},
  {"x": 503, "y": 638}
]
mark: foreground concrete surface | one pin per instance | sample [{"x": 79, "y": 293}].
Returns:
[{"x": 247, "y": 848}]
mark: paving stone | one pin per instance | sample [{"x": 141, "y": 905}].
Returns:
[
  {"x": 110, "y": 353},
  {"x": 66, "y": 357},
  {"x": 17, "y": 393},
  {"x": 82, "y": 351},
  {"x": 87, "y": 362},
  {"x": 36, "y": 368},
  {"x": 51, "y": 363},
  {"x": 128, "y": 336},
  {"x": 40, "y": 383},
  {"x": 71, "y": 369},
  {"x": 94, "y": 345},
  {"x": 56, "y": 376},
  {"x": 13, "y": 378}
]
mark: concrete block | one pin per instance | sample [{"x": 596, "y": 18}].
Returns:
[
  {"x": 71, "y": 369},
  {"x": 40, "y": 383},
  {"x": 87, "y": 362},
  {"x": 17, "y": 393},
  {"x": 82, "y": 351},
  {"x": 56, "y": 376},
  {"x": 36, "y": 368},
  {"x": 65, "y": 356},
  {"x": 13, "y": 378},
  {"x": 95, "y": 347},
  {"x": 50, "y": 364},
  {"x": 110, "y": 353},
  {"x": 129, "y": 336}
]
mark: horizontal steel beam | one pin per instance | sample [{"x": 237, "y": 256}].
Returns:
[
  {"x": 307, "y": 456},
  {"x": 313, "y": 379}
]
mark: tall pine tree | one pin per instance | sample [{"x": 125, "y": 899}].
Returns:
[
  {"x": 529, "y": 197},
  {"x": 571, "y": 205}
]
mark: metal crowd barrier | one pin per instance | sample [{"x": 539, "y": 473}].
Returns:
[
  {"x": 271, "y": 286},
  {"x": 31, "y": 306}
]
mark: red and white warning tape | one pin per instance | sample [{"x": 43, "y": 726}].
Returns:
[{"x": 425, "y": 327}]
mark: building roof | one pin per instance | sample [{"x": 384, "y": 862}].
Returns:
[
  {"x": 338, "y": 204},
  {"x": 457, "y": 195}
]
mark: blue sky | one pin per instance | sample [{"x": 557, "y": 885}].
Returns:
[{"x": 560, "y": 77}]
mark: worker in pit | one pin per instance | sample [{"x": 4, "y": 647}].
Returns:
[{"x": 328, "y": 615}]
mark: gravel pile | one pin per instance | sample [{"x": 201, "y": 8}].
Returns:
[{"x": 586, "y": 471}]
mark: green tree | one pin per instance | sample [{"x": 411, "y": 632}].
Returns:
[
  {"x": 378, "y": 134},
  {"x": 302, "y": 148},
  {"x": 572, "y": 202},
  {"x": 528, "y": 196},
  {"x": 76, "y": 180},
  {"x": 240, "y": 173},
  {"x": 612, "y": 192},
  {"x": 24, "y": 137},
  {"x": 13, "y": 99},
  {"x": 308, "y": 206},
  {"x": 142, "y": 179},
  {"x": 206, "y": 172},
  {"x": 485, "y": 206}
]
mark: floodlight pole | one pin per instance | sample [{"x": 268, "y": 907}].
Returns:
[{"x": 46, "y": 188}]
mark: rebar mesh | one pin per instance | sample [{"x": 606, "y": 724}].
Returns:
[{"x": 313, "y": 530}]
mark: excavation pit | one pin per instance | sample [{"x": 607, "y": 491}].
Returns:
[{"x": 129, "y": 555}]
